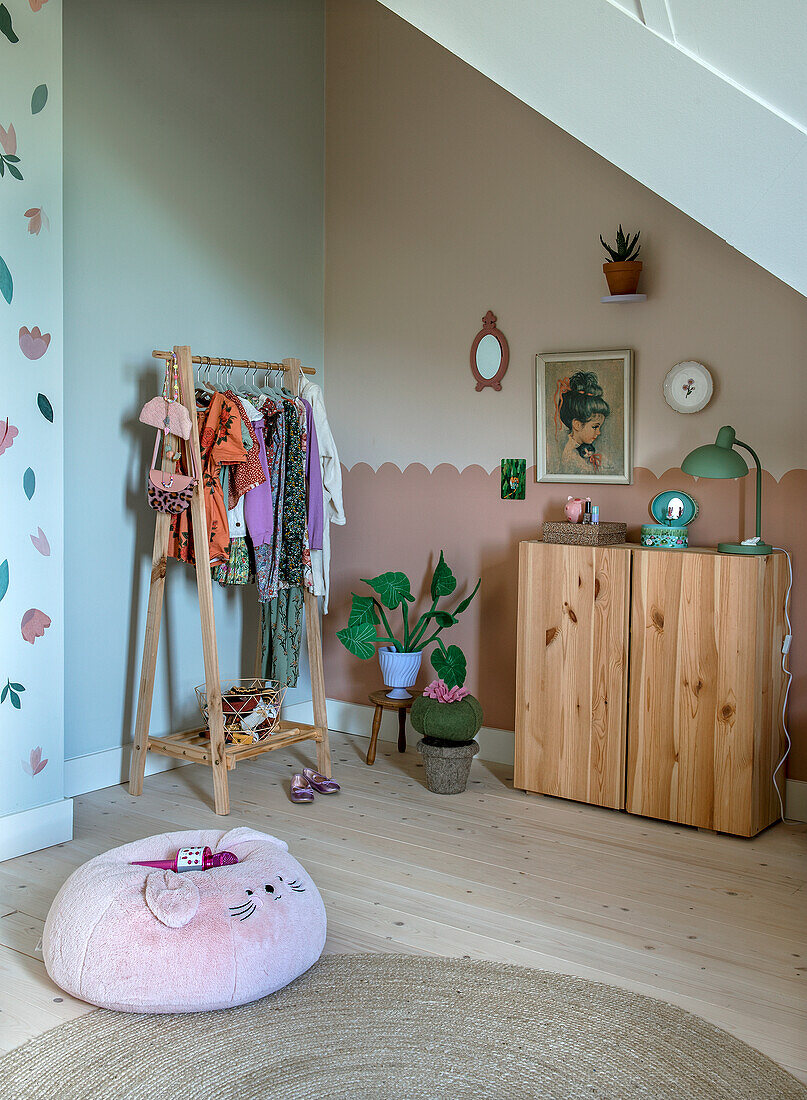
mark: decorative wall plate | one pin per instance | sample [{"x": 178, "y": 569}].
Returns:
[{"x": 688, "y": 387}]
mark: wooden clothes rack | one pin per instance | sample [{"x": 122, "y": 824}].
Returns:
[{"x": 191, "y": 744}]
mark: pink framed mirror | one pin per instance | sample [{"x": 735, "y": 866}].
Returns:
[{"x": 490, "y": 354}]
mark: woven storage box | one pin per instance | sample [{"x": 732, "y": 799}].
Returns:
[{"x": 586, "y": 534}]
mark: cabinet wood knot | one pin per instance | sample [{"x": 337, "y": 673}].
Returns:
[
  {"x": 596, "y": 587},
  {"x": 657, "y": 618},
  {"x": 551, "y": 634},
  {"x": 571, "y": 614},
  {"x": 727, "y": 711}
]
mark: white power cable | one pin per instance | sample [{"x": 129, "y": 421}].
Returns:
[{"x": 789, "y": 674}]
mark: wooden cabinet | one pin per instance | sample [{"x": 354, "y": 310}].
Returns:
[{"x": 651, "y": 680}]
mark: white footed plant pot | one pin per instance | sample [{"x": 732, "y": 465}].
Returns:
[{"x": 399, "y": 670}]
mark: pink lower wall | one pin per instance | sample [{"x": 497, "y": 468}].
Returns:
[{"x": 401, "y": 520}]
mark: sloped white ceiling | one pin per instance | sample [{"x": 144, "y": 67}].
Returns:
[{"x": 704, "y": 103}]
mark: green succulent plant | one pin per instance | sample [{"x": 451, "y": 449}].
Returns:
[
  {"x": 625, "y": 249},
  {"x": 393, "y": 590}
]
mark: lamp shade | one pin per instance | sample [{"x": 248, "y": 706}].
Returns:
[{"x": 717, "y": 459}]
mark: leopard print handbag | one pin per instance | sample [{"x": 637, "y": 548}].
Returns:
[{"x": 169, "y": 492}]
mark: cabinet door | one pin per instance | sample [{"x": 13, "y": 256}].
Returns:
[
  {"x": 571, "y": 682},
  {"x": 705, "y": 688}
]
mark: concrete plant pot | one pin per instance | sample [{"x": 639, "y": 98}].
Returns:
[{"x": 447, "y": 765}]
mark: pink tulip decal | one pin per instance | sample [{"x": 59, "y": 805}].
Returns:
[
  {"x": 8, "y": 140},
  {"x": 34, "y": 764},
  {"x": 34, "y": 624},
  {"x": 33, "y": 343},
  {"x": 8, "y": 433},
  {"x": 40, "y": 541},
  {"x": 37, "y": 218},
  {"x": 36, "y": 5}
]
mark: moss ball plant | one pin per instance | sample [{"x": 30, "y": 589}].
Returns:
[{"x": 451, "y": 722}]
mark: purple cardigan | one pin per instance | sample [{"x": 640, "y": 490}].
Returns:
[
  {"x": 313, "y": 475},
  {"x": 258, "y": 501}
]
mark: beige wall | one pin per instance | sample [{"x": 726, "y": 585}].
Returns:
[{"x": 445, "y": 197}]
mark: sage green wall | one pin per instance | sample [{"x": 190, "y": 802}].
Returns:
[{"x": 193, "y": 193}]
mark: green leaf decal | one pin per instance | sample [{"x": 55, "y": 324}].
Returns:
[
  {"x": 39, "y": 99},
  {"x": 29, "y": 482},
  {"x": 443, "y": 582},
  {"x": 6, "y": 282},
  {"x": 4, "y": 692},
  {"x": 362, "y": 611},
  {"x": 450, "y": 666},
  {"x": 463, "y": 604},
  {"x": 14, "y": 170},
  {"x": 16, "y": 687},
  {"x": 393, "y": 588},
  {"x": 15, "y": 700},
  {"x": 5, "y": 24},
  {"x": 359, "y": 638},
  {"x": 45, "y": 406},
  {"x": 3, "y": 578}
]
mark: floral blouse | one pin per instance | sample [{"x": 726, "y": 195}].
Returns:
[{"x": 221, "y": 444}]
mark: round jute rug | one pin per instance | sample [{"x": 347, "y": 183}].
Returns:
[{"x": 402, "y": 1027}]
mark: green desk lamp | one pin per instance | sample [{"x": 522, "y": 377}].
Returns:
[{"x": 718, "y": 459}]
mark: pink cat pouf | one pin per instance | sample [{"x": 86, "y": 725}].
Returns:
[{"x": 139, "y": 939}]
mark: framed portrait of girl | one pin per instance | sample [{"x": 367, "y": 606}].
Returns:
[{"x": 584, "y": 417}]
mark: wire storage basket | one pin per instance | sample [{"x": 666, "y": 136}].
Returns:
[{"x": 251, "y": 708}]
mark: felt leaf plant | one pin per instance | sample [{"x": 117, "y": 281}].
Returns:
[
  {"x": 623, "y": 249},
  {"x": 369, "y": 626}
]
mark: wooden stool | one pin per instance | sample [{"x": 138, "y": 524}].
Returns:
[{"x": 381, "y": 702}]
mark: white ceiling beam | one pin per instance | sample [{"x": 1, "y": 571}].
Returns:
[{"x": 656, "y": 16}]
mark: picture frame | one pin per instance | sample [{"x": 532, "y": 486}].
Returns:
[{"x": 584, "y": 417}]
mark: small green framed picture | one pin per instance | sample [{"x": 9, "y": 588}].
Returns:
[{"x": 514, "y": 478}]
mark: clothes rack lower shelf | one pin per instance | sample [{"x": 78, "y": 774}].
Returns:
[{"x": 193, "y": 745}]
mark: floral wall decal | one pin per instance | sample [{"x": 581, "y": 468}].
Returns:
[
  {"x": 9, "y": 158},
  {"x": 12, "y": 692},
  {"x": 36, "y": 5},
  {"x": 8, "y": 433},
  {"x": 3, "y": 578},
  {"x": 40, "y": 541},
  {"x": 6, "y": 282},
  {"x": 34, "y": 624},
  {"x": 6, "y": 27},
  {"x": 29, "y": 482},
  {"x": 8, "y": 138},
  {"x": 37, "y": 218},
  {"x": 39, "y": 98},
  {"x": 45, "y": 406},
  {"x": 33, "y": 343},
  {"x": 34, "y": 764}
]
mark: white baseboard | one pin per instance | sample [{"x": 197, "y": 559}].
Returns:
[
  {"x": 32, "y": 830},
  {"x": 111, "y": 767},
  {"x": 796, "y": 799},
  {"x": 97, "y": 770},
  {"x": 357, "y": 718}
]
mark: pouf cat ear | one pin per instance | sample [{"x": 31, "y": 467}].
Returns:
[
  {"x": 243, "y": 835},
  {"x": 172, "y": 898}
]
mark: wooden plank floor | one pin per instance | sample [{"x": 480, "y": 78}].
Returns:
[{"x": 711, "y": 923}]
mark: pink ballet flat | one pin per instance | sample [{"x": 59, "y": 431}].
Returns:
[
  {"x": 320, "y": 783},
  {"x": 300, "y": 789}
]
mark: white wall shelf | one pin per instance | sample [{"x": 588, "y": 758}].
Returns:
[{"x": 624, "y": 298}]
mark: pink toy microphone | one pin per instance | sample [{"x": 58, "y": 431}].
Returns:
[{"x": 191, "y": 859}]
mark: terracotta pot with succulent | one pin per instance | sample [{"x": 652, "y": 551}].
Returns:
[
  {"x": 622, "y": 271},
  {"x": 448, "y": 717},
  {"x": 400, "y": 658}
]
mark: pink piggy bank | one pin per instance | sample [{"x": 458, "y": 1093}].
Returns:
[
  {"x": 140, "y": 939},
  {"x": 575, "y": 508}
]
